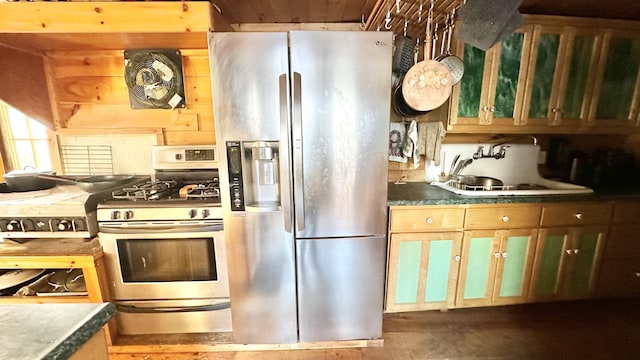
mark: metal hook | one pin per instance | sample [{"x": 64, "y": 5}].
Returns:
[
  {"x": 397, "y": 6},
  {"x": 362, "y": 22},
  {"x": 406, "y": 22},
  {"x": 387, "y": 20},
  {"x": 420, "y": 12}
]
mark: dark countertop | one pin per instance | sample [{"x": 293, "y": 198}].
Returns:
[
  {"x": 49, "y": 331},
  {"x": 421, "y": 193}
]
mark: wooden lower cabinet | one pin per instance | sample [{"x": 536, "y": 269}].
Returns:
[
  {"x": 566, "y": 261},
  {"x": 619, "y": 274},
  {"x": 495, "y": 267},
  {"x": 422, "y": 271}
]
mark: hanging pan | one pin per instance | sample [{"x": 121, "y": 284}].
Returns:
[
  {"x": 452, "y": 62},
  {"x": 94, "y": 183},
  {"x": 427, "y": 85}
]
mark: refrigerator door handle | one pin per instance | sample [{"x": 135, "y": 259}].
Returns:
[
  {"x": 298, "y": 178},
  {"x": 285, "y": 157}
]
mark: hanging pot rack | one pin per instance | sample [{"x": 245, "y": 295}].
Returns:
[{"x": 392, "y": 15}]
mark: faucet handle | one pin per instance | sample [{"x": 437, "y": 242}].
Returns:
[{"x": 479, "y": 153}]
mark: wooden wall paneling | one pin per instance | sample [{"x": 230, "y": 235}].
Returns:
[
  {"x": 174, "y": 137},
  {"x": 105, "y": 17},
  {"x": 24, "y": 84}
]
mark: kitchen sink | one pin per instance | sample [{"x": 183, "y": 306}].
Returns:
[
  {"x": 515, "y": 172},
  {"x": 540, "y": 187}
]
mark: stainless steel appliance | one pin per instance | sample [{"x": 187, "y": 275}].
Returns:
[
  {"x": 164, "y": 246},
  {"x": 59, "y": 212},
  {"x": 302, "y": 121}
]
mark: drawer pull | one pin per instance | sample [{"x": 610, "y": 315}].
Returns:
[
  {"x": 505, "y": 218},
  {"x": 579, "y": 216},
  {"x": 429, "y": 220}
]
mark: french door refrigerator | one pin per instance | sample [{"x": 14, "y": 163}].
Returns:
[{"x": 302, "y": 121}]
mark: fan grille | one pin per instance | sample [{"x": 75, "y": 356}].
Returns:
[{"x": 154, "y": 79}]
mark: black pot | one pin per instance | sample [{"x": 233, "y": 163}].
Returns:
[
  {"x": 400, "y": 105},
  {"x": 27, "y": 180}
]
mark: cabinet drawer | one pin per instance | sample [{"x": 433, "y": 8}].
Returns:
[
  {"x": 503, "y": 217},
  {"x": 571, "y": 214},
  {"x": 627, "y": 212},
  {"x": 426, "y": 219}
]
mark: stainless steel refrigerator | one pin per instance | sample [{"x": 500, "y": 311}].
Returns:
[{"x": 302, "y": 121}]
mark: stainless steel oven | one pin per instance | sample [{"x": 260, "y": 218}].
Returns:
[
  {"x": 167, "y": 282},
  {"x": 165, "y": 249}
]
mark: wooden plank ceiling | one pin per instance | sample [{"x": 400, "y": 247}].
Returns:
[{"x": 332, "y": 11}]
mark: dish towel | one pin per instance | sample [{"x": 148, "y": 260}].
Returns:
[
  {"x": 430, "y": 136},
  {"x": 410, "y": 148},
  {"x": 397, "y": 133}
]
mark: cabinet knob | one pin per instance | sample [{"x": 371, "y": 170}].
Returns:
[
  {"x": 492, "y": 109},
  {"x": 505, "y": 218},
  {"x": 429, "y": 220},
  {"x": 504, "y": 254},
  {"x": 575, "y": 251},
  {"x": 485, "y": 108},
  {"x": 496, "y": 255},
  {"x": 579, "y": 216},
  {"x": 568, "y": 251},
  {"x": 457, "y": 257},
  {"x": 637, "y": 274}
]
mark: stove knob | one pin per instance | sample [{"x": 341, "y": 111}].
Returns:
[
  {"x": 192, "y": 213},
  {"x": 13, "y": 225},
  {"x": 128, "y": 215},
  {"x": 205, "y": 213},
  {"x": 115, "y": 215},
  {"x": 64, "y": 225}
]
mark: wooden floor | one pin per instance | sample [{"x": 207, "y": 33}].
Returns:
[{"x": 596, "y": 329}]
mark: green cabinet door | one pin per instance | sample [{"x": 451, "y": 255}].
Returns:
[
  {"x": 579, "y": 70},
  {"x": 617, "y": 89},
  {"x": 566, "y": 261},
  {"x": 477, "y": 270},
  {"x": 514, "y": 266},
  {"x": 492, "y": 85},
  {"x": 585, "y": 254},
  {"x": 422, "y": 271},
  {"x": 547, "y": 272}
]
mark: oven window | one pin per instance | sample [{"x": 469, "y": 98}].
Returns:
[{"x": 160, "y": 260}]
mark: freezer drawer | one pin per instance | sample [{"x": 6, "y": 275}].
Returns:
[{"x": 340, "y": 288}]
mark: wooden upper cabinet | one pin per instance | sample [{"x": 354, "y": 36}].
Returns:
[
  {"x": 492, "y": 88},
  {"x": 560, "y": 75},
  {"x": 616, "y": 93}
]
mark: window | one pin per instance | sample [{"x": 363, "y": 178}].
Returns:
[{"x": 25, "y": 139}]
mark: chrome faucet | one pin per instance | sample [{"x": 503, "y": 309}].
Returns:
[{"x": 492, "y": 153}]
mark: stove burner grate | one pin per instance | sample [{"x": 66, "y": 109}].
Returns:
[{"x": 147, "y": 191}]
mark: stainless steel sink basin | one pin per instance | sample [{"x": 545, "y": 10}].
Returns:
[{"x": 484, "y": 186}]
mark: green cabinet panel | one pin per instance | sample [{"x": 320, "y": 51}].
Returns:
[
  {"x": 471, "y": 83},
  {"x": 408, "y": 272},
  {"x": 508, "y": 72},
  {"x": 478, "y": 269},
  {"x": 550, "y": 265},
  {"x": 580, "y": 282},
  {"x": 437, "y": 286},
  {"x": 543, "y": 78},
  {"x": 577, "y": 77},
  {"x": 514, "y": 266},
  {"x": 618, "y": 83}
]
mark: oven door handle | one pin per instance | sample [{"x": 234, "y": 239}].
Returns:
[
  {"x": 145, "y": 229},
  {"x": 172, "y": 309}
]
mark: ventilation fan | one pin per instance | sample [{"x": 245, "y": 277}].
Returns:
[{"x": 154, "y": 78}]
